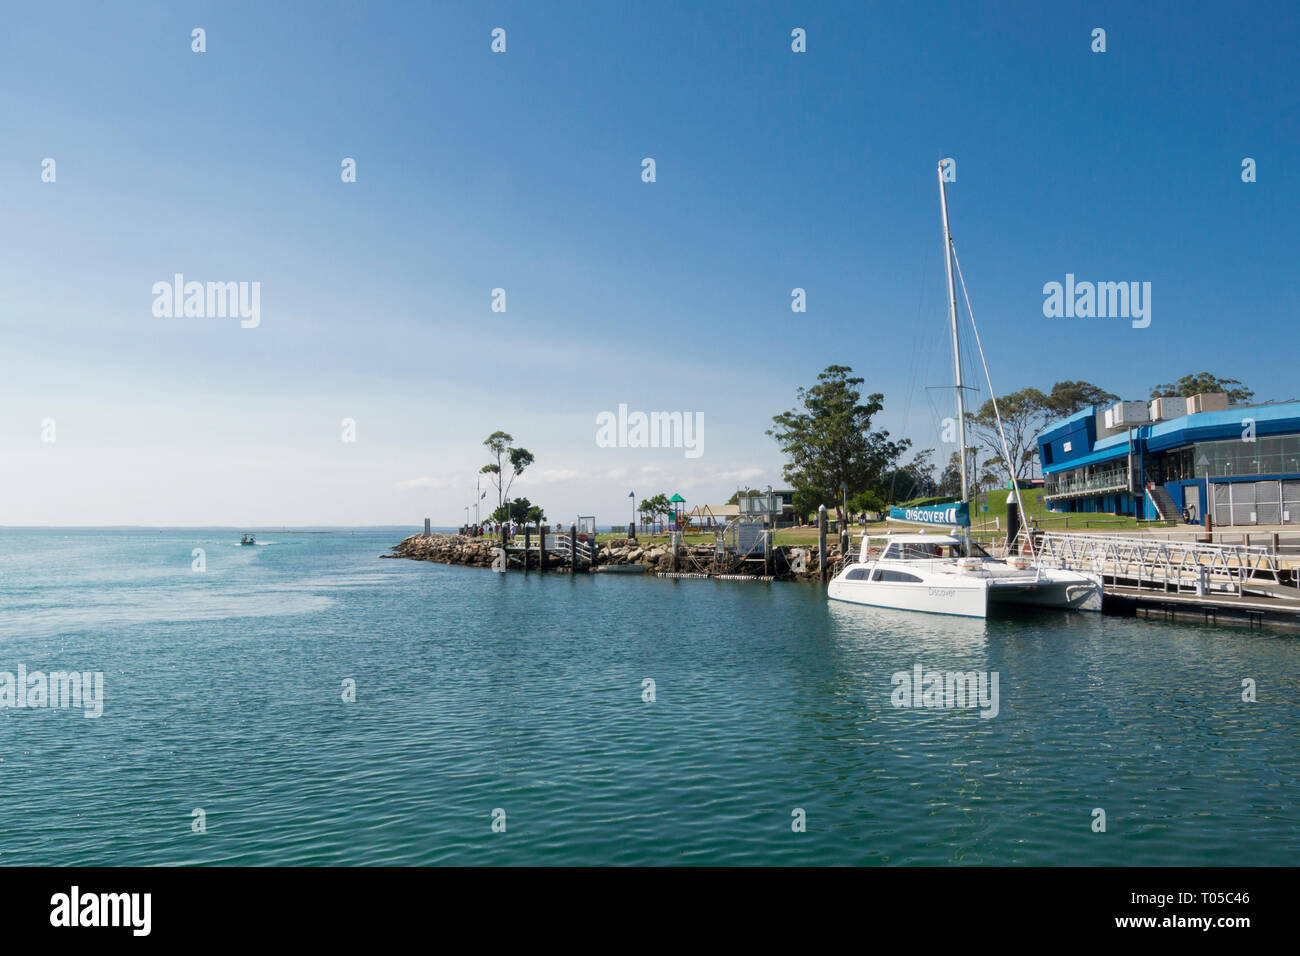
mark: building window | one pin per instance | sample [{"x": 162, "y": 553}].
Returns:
[
  {"x": 1175, "y": 465},
  {"x": 1272, "y": 455},
  {"x": 1111, "y": 476}
]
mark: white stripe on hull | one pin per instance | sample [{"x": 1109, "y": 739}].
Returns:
[{"x": 958, "y": 601}]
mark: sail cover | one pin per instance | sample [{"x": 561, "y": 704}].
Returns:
[{"x": 953, "y": 513}]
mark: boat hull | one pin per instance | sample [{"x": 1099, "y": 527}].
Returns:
[
  {"x": 957, "y": 600},
  {"x": 1076, "y": 592},
  {"x": 974, "y": 597}
]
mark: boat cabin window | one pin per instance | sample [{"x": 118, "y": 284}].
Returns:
[
  {"x": 972, "y": 551},
  {"x": 856, "y": 574},
  {"x": 916, "y": 551},
  {"x": 898, "y": 577},
  {"x": 929, "y": 551}
]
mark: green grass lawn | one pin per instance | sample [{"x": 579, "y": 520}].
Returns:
[
  {"x": 982, "y": 522},
  {"x": 647, "y": 540},
  {"x": 987, "y": 522},
  {"x": 1054, "y": 520}
]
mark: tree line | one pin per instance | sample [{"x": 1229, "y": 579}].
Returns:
[
  {"x": 833, "y": 453},
  {"x": 834, "y": 456}
]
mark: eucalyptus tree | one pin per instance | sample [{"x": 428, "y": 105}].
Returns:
[
  {"x": 828, "y": 440},
  {"x": 501, "y": 445}
]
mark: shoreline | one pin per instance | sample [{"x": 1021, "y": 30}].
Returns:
[
  {"x": 624, "y": 553},
  {"x": 700, "y": 561}
]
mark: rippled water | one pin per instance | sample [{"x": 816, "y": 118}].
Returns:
[{"x": 478, "y": 691}]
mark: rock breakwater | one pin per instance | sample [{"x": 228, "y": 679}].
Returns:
[{"x": 652, "y": 557}]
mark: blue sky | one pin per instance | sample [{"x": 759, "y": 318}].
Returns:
[{"x": 522, "y": 171}]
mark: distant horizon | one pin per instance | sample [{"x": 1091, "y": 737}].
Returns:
[
  {"x": 419, "y": 526},
  {"x": 209, "y": 527}
]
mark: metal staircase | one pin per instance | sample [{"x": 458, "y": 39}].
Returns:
[
  {"x": 566, "y": 546},
  {"x": 1164, "y": 502}
]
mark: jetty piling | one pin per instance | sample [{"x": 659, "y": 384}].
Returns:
[{"x": 821, "y": 540}]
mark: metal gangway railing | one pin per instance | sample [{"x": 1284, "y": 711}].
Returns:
[
  {"x": 565, "y": 545},
  {"x": 1186, "y": 565}
]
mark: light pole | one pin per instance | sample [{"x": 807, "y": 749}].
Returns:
[
  {"x": 844, "y": 531},
  {"x": 632, "y": 495}
]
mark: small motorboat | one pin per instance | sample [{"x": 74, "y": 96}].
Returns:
[{"x": 247, "y": 539}]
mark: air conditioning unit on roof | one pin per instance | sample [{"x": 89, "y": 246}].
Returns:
[{"x": 1127, "y": 415}]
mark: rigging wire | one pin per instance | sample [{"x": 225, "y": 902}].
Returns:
[{"x": 1006, "y": 453}]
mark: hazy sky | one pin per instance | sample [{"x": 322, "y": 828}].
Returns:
[{"x": 523, "y": 171}]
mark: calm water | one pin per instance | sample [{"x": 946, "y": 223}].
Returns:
[{"x": 477, "y": 691}]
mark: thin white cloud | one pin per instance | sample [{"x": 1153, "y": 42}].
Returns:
[
  {"x": 550, "y": 476},
  {"x": 423, "y": 482}
]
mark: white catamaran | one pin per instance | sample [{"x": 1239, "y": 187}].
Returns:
[
  {"x": 946, "y": 574},
  {"x": 949, "y": 573}
]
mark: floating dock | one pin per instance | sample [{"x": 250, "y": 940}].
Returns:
[
  {"x": 716, "y": 577},
  {"x": 1187, "y": 580},
  {"x": 1249, "y": 609}
]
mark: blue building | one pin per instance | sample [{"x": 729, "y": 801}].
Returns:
[{"x": 1238, "y": 465}]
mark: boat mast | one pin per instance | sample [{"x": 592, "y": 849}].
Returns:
[{"x": 956, "y": 354}]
